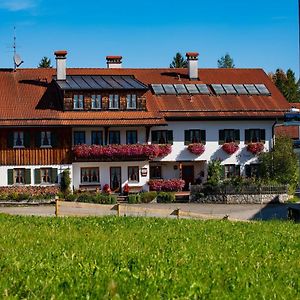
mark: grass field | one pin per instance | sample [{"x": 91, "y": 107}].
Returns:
[{"x": 137, "y": 258}]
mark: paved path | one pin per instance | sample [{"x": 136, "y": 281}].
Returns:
[{"x": 235, "y": 211}]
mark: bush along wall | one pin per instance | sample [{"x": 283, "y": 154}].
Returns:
[{"x": 97, "y": 198}]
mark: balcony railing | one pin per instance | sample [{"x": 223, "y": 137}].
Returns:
[{"x": 120, "y": 152}]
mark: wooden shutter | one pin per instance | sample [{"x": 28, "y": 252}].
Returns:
[
  {"x": 26, "y": 139},
  {"x": 27, "y": 176},
  {"x": 54, "y": 139},
  {"x": 237, "y": 135},
  {"x": 10, "y": 176},
  {"x": 170, "y": 137},
  {"x": 203, "y": 136},
  {"x": 154, "y": 137},
  {"x": 263, "y": 135},
  {"x": 38, "y": 139},
  {"x": 221, "y": 137},
  {"x": 247, "y": 136},
  {"x": 37, "y": 176},
  {"x": 10, "y": 140},
  {"x": 187, "y": 137},
  {"x": 54, "y": 175}
]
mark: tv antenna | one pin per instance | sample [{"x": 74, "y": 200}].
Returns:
[{"x": 17, "y": 59}]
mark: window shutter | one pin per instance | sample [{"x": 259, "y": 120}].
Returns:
[
  {"x": 54, "y": 139},
  {"x": 37, "y": 176},
  {"x": 38, "y": 139},
  {"x": 237, "y": 135},
  {"x": 237, "y": 170},
  {"x": 170, "y": 137},
  {"x": 247, "y": 136},
  {"x": 263, "y": 135},
  {"x": 27, "y": 176},
  {"x": 221, "y": 137},
  {"x": 54, "y": 175},
  {"x": 10, "y": 176},
  {"x": 248, "y": 171},
  {"x": 203, "y": 136},
  {"x": 154, "y": 137},
  {"x": 10, "y": 140},
  {"x": 26, "y": 139},
  {"x": 187, "y": 138}
]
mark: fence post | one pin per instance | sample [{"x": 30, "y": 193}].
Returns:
[
  {"x": 56, "y": 207},
  {"x": 118, "y": 210}
]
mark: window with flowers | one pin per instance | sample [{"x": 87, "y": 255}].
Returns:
[
  {"x": 229, "y": 136},
  {"x": 194, "y": 136},
  {"x": 255, "y": 136},
  {"x": 162, "y": 137}
]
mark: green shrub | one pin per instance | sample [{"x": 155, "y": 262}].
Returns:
[
  {"x": 65, "y": 182},
  {"x": 147, "y": 197},
  {"x": 165, "y": 197},
  {"x": 71, "y": 197},
  {"x": 134, "y": 198},
  {"x": 3, "y": 196},
  {"x": 23, "y": 196}
]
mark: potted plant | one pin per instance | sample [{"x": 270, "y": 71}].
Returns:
[
  {"x": 230, "y": 148},
  {"x": 255, "y": 148},
  {"x": 196, "y": 148}
]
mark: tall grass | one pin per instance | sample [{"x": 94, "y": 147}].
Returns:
[{"x": 144, "y": 258}]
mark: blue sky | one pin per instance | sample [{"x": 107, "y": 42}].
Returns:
[{"x": 256, "y": 33}]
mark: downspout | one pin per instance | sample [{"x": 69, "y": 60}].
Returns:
[{"x": 273, "y": 132}]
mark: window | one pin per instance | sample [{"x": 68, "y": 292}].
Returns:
[
  {"x": 252, "y": 170},
  {"x": 131, "y": 137},
  {"x": 162, "y": 137},
  {"x": 229, "y": 135},
  {"x": 78, "y": 101},
  {"x": 79, "y": 137},
  {"x": 255, "y": 136},
  {"x": 45, "y": 139},
  {"x": 133, "y": 174},
  {"x": 155, "y": 172},
  {"x": 19, "y": 176},
  {"x": 97, "y": 138},
  {"x": 96, "y": 101},
  {"x": 131, "y": 101},
  {"x": 194, "y": 136},
  {"x": 231, "y": 171},
  {"x": 19, "y": 139},
  {"x": 90, "y": 175},
  {"x": 113, "y": 101},
  {"x": 114, "y": 137},
  {"x": 46, "y": 175}
]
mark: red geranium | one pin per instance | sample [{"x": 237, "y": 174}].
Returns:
[
  {"x": 230, "y": 148},
  {"x": 255, "y": 148},
  {"x": 166, "y": 185},
  {"x": 196, "y": 148}
]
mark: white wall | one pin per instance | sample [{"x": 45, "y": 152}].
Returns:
[
  {"x": 60, "y": 169},
  {"x": 104, "y": 172}
]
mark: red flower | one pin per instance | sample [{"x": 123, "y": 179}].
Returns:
[
  {"x": 230, "y": 148},
  {"x": 196, "y": 148},
  {"x": 166, "y": 185},
  {"x": 255, "y": 148}
]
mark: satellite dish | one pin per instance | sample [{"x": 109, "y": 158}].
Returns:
[{"x": 17, "y": 60}]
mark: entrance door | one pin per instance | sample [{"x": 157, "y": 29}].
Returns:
[
  {"x": 115, "y": 179},
  {"x": 188, "y": 176}
]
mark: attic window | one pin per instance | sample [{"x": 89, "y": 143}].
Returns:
[{"x": 78, "y": 101}]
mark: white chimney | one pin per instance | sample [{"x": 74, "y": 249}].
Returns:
[
  {"x": 61, "y": 70},
  {"x": 114, "y": 62},
  {"x": 192, "y": 59}
]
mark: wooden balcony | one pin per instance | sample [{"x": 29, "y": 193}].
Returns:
[{"x": 35, "y": 156}]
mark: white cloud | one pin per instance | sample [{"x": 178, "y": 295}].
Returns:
[{"x": 17, "y": 5}]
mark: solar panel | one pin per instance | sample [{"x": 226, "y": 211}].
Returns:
[
  {"x": 240, "y": 89},
  {"x": 169, "y": 88},
  {"x": 122, "y": 82},
  {"x": 158, "y": 89},
  {"x": 262, "y": 89},
  {"x": 229, "y": 89},
  {"x": 82, "y": 84},
  {"x": 112, "y": 82},
  {"x": 180, "y": 88},
  {"x": 203, "y": 88},
  {"x": 218, "y": 89},
  {"x": 251, "y": 89},
  {"x": 99, "y": 80},
  {"x": 192, "y": 89},
  {"x": 135, "y": 83},
  {"x": 72, "y": 83}
]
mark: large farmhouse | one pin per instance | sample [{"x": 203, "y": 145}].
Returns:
[{"x": 122, "y": 126}]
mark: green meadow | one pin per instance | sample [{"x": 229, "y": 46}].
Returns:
[{"x": 147, "y": 258}]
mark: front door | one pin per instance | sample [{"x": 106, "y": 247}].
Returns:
[
  {"x": 188, "y": 176},
  {"x": 115, "y": 179}
]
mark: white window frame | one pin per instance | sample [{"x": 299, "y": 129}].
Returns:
[
  {"x": 15, "y": 176},
  {"x": 96, "y": 101},
  {"x": 89, "y": 175},
  {"x": 19, "y": 135},
  {"x": 78, "y": 100},
  {"x": 48, "y": 135},
  {"x": 43, "y": 174},
  {"x": 131, "y": 101},
  {"x": 114, "y": 102}
]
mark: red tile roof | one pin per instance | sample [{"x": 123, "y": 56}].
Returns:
[{"x": 23, "y": 93}]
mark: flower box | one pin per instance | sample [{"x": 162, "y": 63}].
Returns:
[
  {"x": 255, "y": 148},
  {"x": 196, "y": 148},
  {"x": 230, "y": 148}
]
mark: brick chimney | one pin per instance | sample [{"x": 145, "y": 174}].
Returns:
[
  {"x": 192, "y": 59},
  {"x": 114, "y": 62},
  {"x": 61, "y": 70}
]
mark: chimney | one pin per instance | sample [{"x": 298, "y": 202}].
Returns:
[
  {"x": 192, "y": 59},
  {"x": 61, "y": 71},
  {"x": 114, "y": 62}
]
